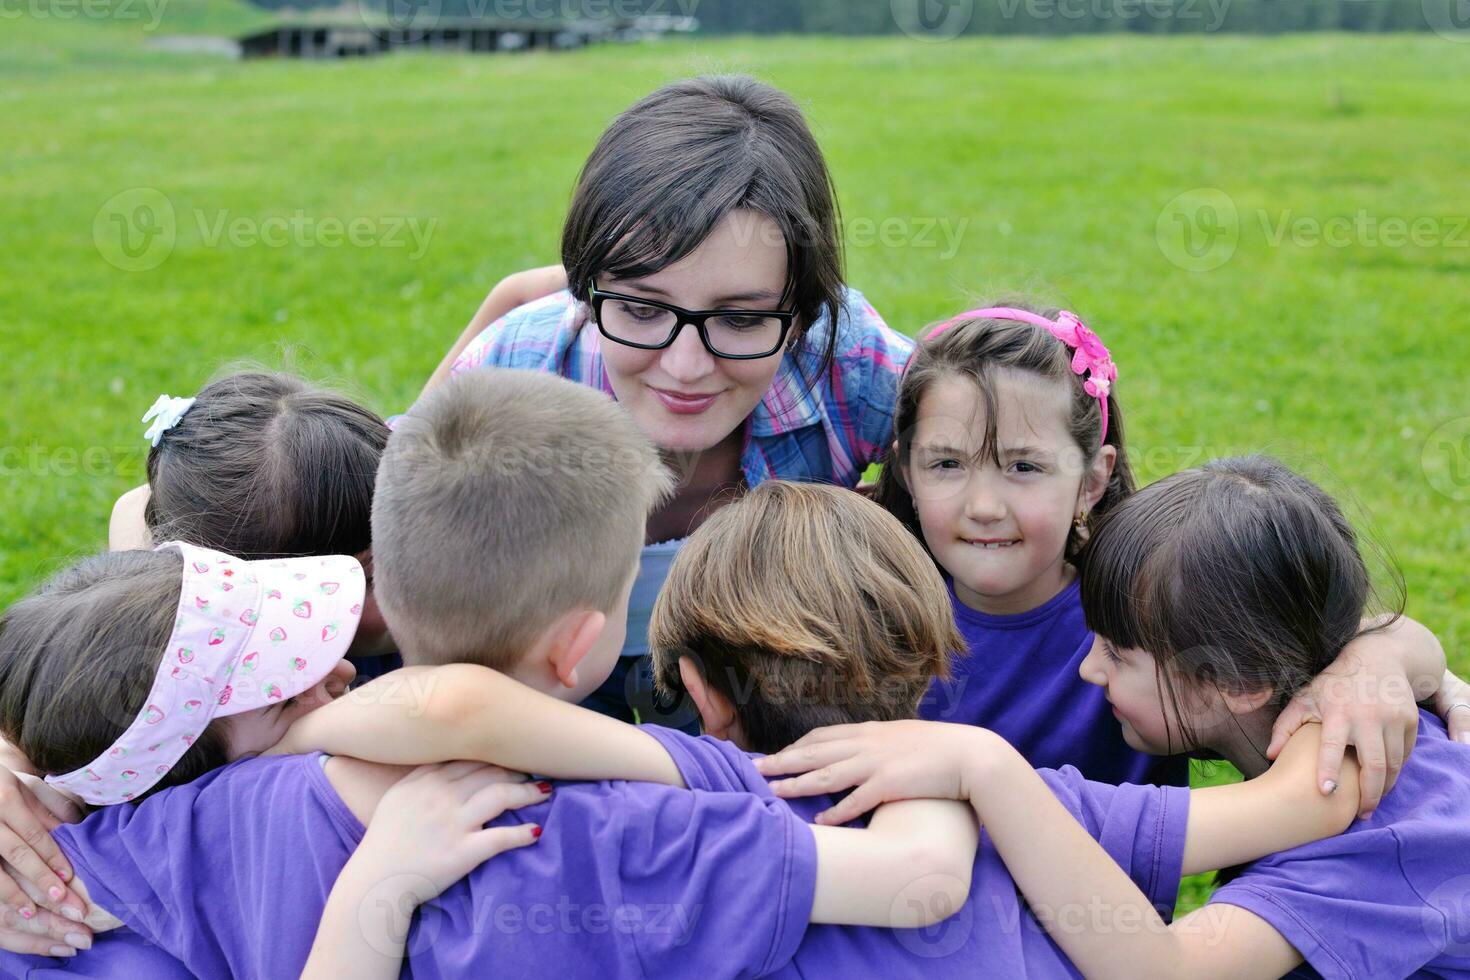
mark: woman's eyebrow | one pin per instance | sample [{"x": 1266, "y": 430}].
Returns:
[{"x": 768, "y": 296}]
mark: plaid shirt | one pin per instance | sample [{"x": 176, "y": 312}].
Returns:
[{"x": 824, "y": 433}]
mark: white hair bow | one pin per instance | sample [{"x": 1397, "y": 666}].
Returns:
[{"x": 165, "y": 414}]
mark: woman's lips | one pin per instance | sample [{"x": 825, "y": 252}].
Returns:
[{"x": 681, "y": 403}]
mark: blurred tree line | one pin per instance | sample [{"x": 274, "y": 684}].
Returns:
[
  {"x": 948, "y": 18},
  {"x": 944, "y": 17}
]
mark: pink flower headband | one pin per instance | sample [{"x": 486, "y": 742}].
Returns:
[
  {"x": 248, "y": 634},
  {"x": 1090, "y": 355}
]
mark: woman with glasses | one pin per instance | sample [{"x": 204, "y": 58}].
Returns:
[{"x": 703, "y": 290}]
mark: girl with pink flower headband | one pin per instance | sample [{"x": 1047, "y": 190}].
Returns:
[
  {"x": 1009, "y": 443},
  {"x": 136, "y": 671}
]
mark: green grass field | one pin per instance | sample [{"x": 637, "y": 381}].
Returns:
[{"x": 1271, "y": 233}]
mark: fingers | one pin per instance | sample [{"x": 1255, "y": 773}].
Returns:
[
  {"x": 44, "y": 934},
  {"x": 494, "y": 799},
  {"x": 1373, "y": 760},
  {"x": 856, "y": 803},
  {"x": 486, "y": 844},
  {"x": 25, "y": 944},
  {"x": 1292, "y": 718},
  {"x": 1395, "y": 752},
  {"x": 23, "y": 843},
  {"x": 799, "y": 758},
  {"x": 829, "y": 779},
  {"x": 14, "y": 899},
  {"x": 1459, "y": 721},
  {"x": 1329, "y": 757},
  {"x": 441, "y": 771},
  {"x": 484, "y": 774}
]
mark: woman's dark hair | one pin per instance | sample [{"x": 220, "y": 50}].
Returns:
[
  {"x": 1240, "y": 574},
  {"x": 267, "y": 465},
  {"x": 672, "y": 167},
  {"x": 79, "y": 656},
  {"x": 976, "y": 350}
]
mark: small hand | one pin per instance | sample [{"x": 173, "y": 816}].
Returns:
[
  {"x": 1364, "y": 701},
  {"x": 33, "y": 858},
  {"x": 886, "y": 761},
  {"x": 428, "y": 830}
]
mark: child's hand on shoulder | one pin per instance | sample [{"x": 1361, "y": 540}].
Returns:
[
  {"x": 884, "y": 760},
  {"x": 428, "y": 831}
]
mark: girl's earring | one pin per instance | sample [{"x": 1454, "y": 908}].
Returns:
[{"x": 1079, "y": 525}]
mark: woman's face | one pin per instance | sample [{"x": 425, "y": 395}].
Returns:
[
  {"x": 252, "y": 732},
  {"x": 683, "y": 397}
]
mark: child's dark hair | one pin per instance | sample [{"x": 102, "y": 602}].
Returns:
[
  {"x": 976, "y": 350},
  {"x": 267, "y": 465},
  {"x": 79, "y": 655},
  {"x": 675, "y": 164},
  {"x": 1240, "y": 574}
]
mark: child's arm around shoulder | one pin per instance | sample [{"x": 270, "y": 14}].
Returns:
[
  {"x": 1278, "y": 810},
  {"x": 420, "y": 715},
  {"x": 909, "y": 868}
]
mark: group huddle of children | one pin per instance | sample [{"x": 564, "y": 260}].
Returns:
[
  {"x": 325, "y": 695},
  {"x": 500, "y": 526}
]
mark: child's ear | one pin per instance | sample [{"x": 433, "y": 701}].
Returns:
[
  {"x": 1246, "y": 702},
  {"x": 716, "y": 714},
  {"x": 571, "y": 638},
  {"x": 1099, "y": 475}
]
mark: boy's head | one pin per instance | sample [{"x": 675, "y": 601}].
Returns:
[
  {"x": 507, "y": 525},
  {"x": 800, "y": 606}
]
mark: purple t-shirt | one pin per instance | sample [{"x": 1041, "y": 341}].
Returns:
[
  {"x": 1020, "y": 680},
  {"x": 230, "y": 874},
  {"x": 994, "y": 934},
  {"x": 1391, "y": 896}
]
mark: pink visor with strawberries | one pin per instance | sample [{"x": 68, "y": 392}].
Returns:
[{"x": 249, "y": 634}]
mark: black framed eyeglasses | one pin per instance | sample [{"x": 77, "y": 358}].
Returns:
[{"x": 738, "y": 335}]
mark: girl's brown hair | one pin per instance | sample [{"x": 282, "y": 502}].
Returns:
[
  {"x": 79, "y": 656},
  {"x": 977, "y": 350},
  {"x": 1240, "y": 575},
  {"x": 804, "y": 605},
  {"x": 267, "y": 465},
  {"x": 675, "y": 164}
]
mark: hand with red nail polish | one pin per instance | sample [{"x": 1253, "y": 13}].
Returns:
[{"x": 427, "y": 832}]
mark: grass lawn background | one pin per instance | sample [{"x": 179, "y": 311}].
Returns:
[{"x": 1045, "y": 166}]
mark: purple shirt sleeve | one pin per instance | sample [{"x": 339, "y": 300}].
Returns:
[
  {"x": 229, "y": 874},
  {"x": 1141, "y": 827}
]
